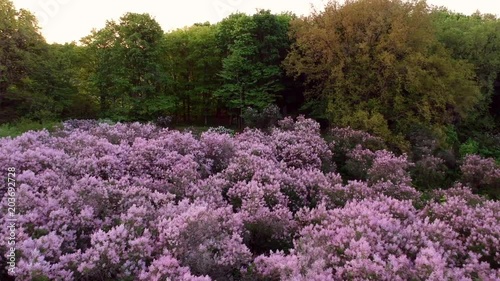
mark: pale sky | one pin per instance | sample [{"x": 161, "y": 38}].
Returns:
[{"x": 70, "y": 20}]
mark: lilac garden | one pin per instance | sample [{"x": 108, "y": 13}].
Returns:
[{"x": 137, "y": 202}]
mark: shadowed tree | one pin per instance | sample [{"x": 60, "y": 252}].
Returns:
[
  {"x": 476, "y": 38},
  {"x": 21, "y": 48},
  {"x": 193, "y": 62}
]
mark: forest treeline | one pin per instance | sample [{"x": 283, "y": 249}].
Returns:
[{"x": 401, "y": 70}]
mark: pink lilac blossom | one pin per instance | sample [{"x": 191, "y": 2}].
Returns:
[
  {"x": 479, "y": 172},
  {"x": 137, "y": 202}
]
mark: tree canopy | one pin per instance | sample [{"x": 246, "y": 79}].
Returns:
[
  {"x": 254, "y": 46},
  {"x": 126, "y": 69},
  {"x": 380, "y": 67},
  {"x": 21, "y": 49}
]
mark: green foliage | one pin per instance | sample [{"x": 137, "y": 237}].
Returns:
[
  {"x": 379, "y": 59},
  {"x": 192, "y": 61},
  {"x": 40, "y": 278},
  {"x": 149, "y": 108},
  {"x": 484, "y": 144},
  {"x": 474, "y": 38},
  {"x": 469, "y": 147},
  {"x": 376, "y": 124},
  {"x": 125, "y": 65},
  {"x": 22, "y": 49},
  {"x": 25, "y": 125},
  {"x": 451, "y": 136},
  {"x": 373, "y": 123},
  {"x": 254, "y": 47}
]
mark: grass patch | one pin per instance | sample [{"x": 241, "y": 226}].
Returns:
[{"x": 25, "y": 125}]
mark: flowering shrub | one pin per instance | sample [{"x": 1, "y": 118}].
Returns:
[
  {"x": 164, "y": 121},
  {"x": 221, "y": 130},
  {"x": 343, "y": 140},
  {"x": 262, "y": 119},
  {"x": 353, "y": 151},
  {"x": 301, "y": 145},
  {"x": 357, "y": 163},
  {"x": 388, "y": 167},
  {"x": 384, "y": 239},
  {"x": 139, "y": 202},
  {"x": 429, "y": 173},
  {"x": 481, "y": 174}
]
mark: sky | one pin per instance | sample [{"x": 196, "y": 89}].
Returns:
[{"x": 69, "y": 20}]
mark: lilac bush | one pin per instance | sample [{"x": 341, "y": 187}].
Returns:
[
  {"x": 382, "y": 239},
  {"x": 429, "y": 172},
  {"x": 481, "y": 174},
  {"x": 98, "y": 201}
]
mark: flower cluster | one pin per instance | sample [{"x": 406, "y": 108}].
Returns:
[
  {"x": 480, "y": 173},
  {"x": 429, "y": 172},
  {"x": 139, "y": 202}
]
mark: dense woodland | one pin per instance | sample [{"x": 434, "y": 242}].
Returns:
[{"x": 400, "y": 70}]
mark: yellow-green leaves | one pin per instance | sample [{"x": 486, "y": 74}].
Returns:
[{"x": 380, "y": 66}]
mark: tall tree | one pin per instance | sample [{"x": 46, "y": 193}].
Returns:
[
  {"x": 127, "y": 70},
  {"x": 193, "y": 61},
  {"x": 142, "y": 46},
  {"x": 475, "y": 38},
  {"x": 21, "y": 47},
  {"x": 254, "y": 47},
  {"x": 206, "y": 59},
  {"x": 63, "y": 70},
  {"x": 380, "y": 68}
]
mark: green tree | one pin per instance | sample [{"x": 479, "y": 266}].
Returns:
[
  {"x": 21, "y": 49},
  {"x": 253, "y": 48},
  {"x": 126, "y": 67},
  {"x": 476, "y": 38},
  {"x": 65, "y": 67},
  {"x": 206, "y": 60},
  {"x": 105, "y": 70},
  {"x": 193, "y": 61},
  {"x": 142, "y": 46}
]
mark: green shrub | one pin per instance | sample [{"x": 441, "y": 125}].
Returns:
[
  {"x": 469, "y": 147},
  {"x": 25, "y": 125}
]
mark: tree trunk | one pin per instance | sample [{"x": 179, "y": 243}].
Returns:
[
  {"x": 102, "y": 101},
  {"x": 205, "y": 108}
]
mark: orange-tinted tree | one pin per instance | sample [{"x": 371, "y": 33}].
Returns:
[{"x": 378, "y": 67}]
